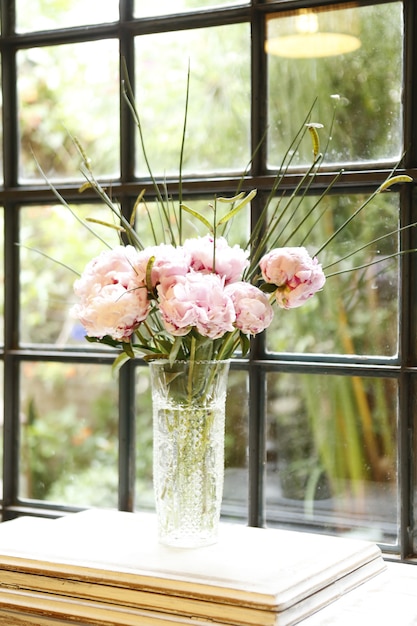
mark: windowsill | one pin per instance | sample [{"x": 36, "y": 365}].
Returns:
[
  {"x": 386, "y": 600},
  {"x": 106, "y": 567}
]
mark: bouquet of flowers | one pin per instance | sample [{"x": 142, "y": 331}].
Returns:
[
  {"x": 191, "y": 300},
  {"x": 198, "y": 298}
]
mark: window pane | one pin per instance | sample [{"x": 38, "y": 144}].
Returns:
[
  {"x": 235, "y": 495},
  {"x": 144, "y": 499},
  {"x": 357, "y": 312},
  {"x": 46, "y": 287},
  {"x": 368, "y": 80},
  {"x": 165, "y": 7},
  {"x": 48, "y": 14},
  {"x": 69, "y": 433},
  {"x": 218, "y": 126},
  {"x": 68, "y": 91},
  {"x": 332, "y": 463}
]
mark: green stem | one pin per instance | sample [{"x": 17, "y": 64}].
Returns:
[{"x": 187, "y": 93}]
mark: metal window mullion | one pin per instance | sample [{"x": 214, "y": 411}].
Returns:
[
  {"x": 9, "y": 115},
  {"x": 127, "y": 423},
  {"x": 11, "y": 393},
  {"x": 408, "y": 327},
  {"x": 256, "y": 445},
  {"x": 126, "y": 63},
  {"x": 257, "y": 418},
  {"x": 11, "y": 378},
  {"x": 405, "y": 437},
  {"x": 405, "y": 465},
  {"x": 8, "y": 16},
  {"x": 407, "y": 433},
  {"x": 127, "y": 438},
  {"x": 11, "y": 435},
  {"x": 410, "y": 84}
]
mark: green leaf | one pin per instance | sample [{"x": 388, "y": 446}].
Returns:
[
  {"x": 135, "y": 208},
  {"x": 268, "y": 287},
  {"x": 312, "y": 128},
  {"x": 395, "y": 180},
  {"x": 232, "y": 200},
  {"x": 103, "y": 223},
  {"x": 149, "y": 267},
  {"x": 198, "y": 216},
  {"x": 237, "y": 208},
  {"x": 85, "y": 186},
  {"x": 127, "y": 347},
  {"x": 244, "y": 343},
  {"x": 109, "y": 341},
  {"x": 175, "y": 349},
  {"x": 118, "y": 362}
]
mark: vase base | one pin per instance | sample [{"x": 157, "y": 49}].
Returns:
[{"x": 178, "y": 540}]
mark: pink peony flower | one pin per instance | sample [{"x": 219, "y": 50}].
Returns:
[
  {"x": 197, "y": 300},
  {"x": 170, "y": 262},
  {"x": 296, "y": 275},
  {"x": 229, "y": 261},
  {"x": 112, "y": 298},
  {"x": 253, "y": 310},
  {"x": 113, "y": 266}
]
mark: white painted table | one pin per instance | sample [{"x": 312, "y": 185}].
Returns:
[
  {"x": 390, "y": 599},
  {"x": 107, "y": 568}
]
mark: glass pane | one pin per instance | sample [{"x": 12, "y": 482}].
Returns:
[
  {"x": 68, "y": 91},
  {"x": 368, "y": 81},
  {"x": 235, "y": 495},
  {"x": 46, "y": 287},
  {"x": 144, "y": 499},
  {"x": 165, "y": 7},
  {"x": 218, "y": 126},
  {"x": 234, "y": 505},
  {"x": 332, "y": 463},
  {"x": 48, "y": 14},
  {"x": 69, "y": 434},
  {"x": 356, "y": 312}
]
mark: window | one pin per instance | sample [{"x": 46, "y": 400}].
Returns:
[{"x": 321, "y": 415}]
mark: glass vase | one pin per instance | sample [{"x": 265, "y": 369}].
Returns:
[{"x": 188, "y": 399}]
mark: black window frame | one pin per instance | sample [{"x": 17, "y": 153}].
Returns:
[{"x": 14, "y": 195}]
